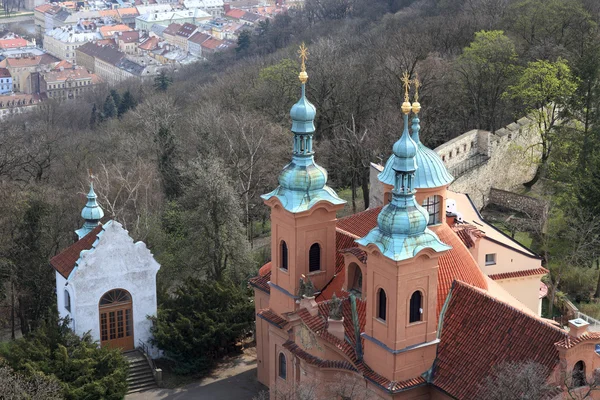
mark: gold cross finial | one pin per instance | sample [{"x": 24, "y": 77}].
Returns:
[
  {"x": 406, "y": 81},
  {"x": 303, "y": 54},
  {"x": 417, "y": 86}
]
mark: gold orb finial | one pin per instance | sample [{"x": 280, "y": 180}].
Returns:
[
  {"x": 303, "y": 54},
  {"x": 416, "y": 107},
  {"x": 406, "y": 82}
]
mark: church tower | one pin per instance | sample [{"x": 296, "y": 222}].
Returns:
[
  {"x": 402, "y": 273},
  {"x": 92, "y": 214},
  {"x": 303, "y": 213},
  {"x": 431, "y": 178}
]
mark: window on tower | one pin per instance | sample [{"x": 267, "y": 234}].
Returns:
[
  {"x": 416, "y": 307},
  {"x": 314, "y": 258},
  {"x": 432, "y": 205},
  {"x": 381, "y": 305},
  {"x": 284, "y": 255},
  {"x": 282, "y": 366}
]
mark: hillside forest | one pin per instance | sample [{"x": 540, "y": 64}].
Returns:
[{"x": 181, "y": 161}]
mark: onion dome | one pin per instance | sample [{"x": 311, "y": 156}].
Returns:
[
  {"x": 401, "y": 231},
  {"x": 92, "y": 213},
  {"x": 303, "y": 183},
  {"x": 431, "y": 172}
]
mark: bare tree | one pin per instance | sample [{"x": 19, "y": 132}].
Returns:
[{"x": 14, "y": 386}]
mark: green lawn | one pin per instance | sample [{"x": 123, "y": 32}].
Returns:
[{"x": 522, "y": 237}]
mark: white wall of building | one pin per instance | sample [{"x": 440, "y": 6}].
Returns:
[{"x": 114, "y": 262}]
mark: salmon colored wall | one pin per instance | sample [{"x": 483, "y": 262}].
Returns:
[
  {"x": 507, "y": 260},
  {"x": 526, "y": 290},
  {"x": 261, "y": 301},
  {"x": 300, "y": 231},
  {"x": 276, "y": 339},
  {"x": 585, "y": 352},
  {"x": 400, "y": 281}
]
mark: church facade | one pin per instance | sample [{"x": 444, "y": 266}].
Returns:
[
  {"x": 106, "y": 282},
  {"x": 417, "y": 298}
]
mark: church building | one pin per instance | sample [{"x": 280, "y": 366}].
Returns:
[
  {"x": 417, "y": 298},
  {"x": 106, "y": 282}
]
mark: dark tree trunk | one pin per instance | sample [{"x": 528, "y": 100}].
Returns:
[
  {"x": 365, "y": 187},
  {"x": 597, "y": 294}
]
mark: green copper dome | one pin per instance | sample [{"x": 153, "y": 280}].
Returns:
[
  {"x": 431, "y": 172},
  {"x": 91, "y": 213},
  {"x": 303, "y": 183},
  {"x": 401, "y": 231}
]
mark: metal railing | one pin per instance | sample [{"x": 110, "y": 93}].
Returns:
[
  {"x": 468, "y": 164},
  {"x": 594, "y": 323},
  {"x": 144, "y": 348}
]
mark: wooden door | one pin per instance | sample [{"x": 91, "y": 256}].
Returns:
[{"x": 116, "y": 320}]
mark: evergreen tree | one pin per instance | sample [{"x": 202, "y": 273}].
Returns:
[
  {"x": 127, "y": 103},
  {"x": 94, "y": 116},
  {"x": 162, "y": 82},
  {"x": 83, "y": 369},
  {"x": 109, "y": 109},
  {"x": 243, "y": 43},
  {"x": 116, "y": 97},
  {"x": 166, "y": 163},
  {"x": 201, "y": 322}
]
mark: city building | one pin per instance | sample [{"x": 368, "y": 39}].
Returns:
[
  {"x": 6, "y": 85},
  {"x": 106, "y": 282},
  {"x": 25, "y": 71},
  {"x": 397, "y": 299},
  {"x": 128, "y": 42},
  {"x": 214, "y": 7},
  {"x": 63, "y": 42},
  {"x": 194, "y": 43},
  {"x": 15, "y": 104},
  {"x": 67, "y": 83}
]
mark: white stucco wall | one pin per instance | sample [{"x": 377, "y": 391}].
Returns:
[
  {"x": 61, "y": 286},
  {"x": 114, "y": 262}
]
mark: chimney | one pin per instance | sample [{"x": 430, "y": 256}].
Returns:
[
  {"x": 578, "y": 327},
  {"x": 336, "y": 327},
  {"x": 226, "y": 7}
]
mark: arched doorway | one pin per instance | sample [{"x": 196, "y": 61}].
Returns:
[{"x": 116, "y": 320}]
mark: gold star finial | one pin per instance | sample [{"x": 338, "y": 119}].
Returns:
[
  {"x": 416, "y": 107},
  {"x": 303, "y": 54}
]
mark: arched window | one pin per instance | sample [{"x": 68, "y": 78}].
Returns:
[
  {"x": 416, "y": 307},
  {"x": 432, "y": 205},
  {"x": 284, "y": 255},
  {"x": 381, "y": 305},
  {"x": 314, "y": 258},
  {"x": 67, "y": 300},
  {"x": 579, "y": 374},
  {"x": 356, "y": 279},
  {"x": 282, "y": 366}
]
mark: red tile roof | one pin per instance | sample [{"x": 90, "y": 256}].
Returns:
[
  {"x": 4, "y": 73},
  {"x": 235, "y": 13},
  {"x": 12, "y": 43},
  {"x": 211, "y": 43},
  {"x": 265, "y": 269},
  {"x": 478, "y": 332},
  {"x": 570, "y": 341},
  {"x": 270, "y": 316},
  {"x": 361, "y": 223},
  {"x": 65, "y": 261},
  {"x": 467, "y": 233},
  {"x": 316, "y": 361},
  {"x": 519, "y": 274},
  {"x": 261, "y": 282}
]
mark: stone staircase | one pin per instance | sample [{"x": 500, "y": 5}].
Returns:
[{"x": 140, "y": 374}]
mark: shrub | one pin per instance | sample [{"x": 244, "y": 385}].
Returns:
[
  {"x": 201, "y": 322},
  {"x": 82, "y": 368}
]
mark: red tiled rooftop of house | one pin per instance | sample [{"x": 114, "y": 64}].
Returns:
[
  {"x": 519, "y": 274},
  {"x": 235, "y": 13},
  {"x": 12, "y": 43},
  {"x": 270, "y": 316},
  {"x": 172, "y": 29},
  {"x": 43, "y": 8},
  {"x": 478, "y": 332},
  {"x": 65, "y": 261},
  {"x": 211, "y": 43},
  {"x": 467, "y": 233},
  {"x": 261, "y": 282},
  {"x": 150, "y": 44},
  {"x": 4, "y": 73}
]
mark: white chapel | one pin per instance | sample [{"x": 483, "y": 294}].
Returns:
[{"x": 106, "y": 282}]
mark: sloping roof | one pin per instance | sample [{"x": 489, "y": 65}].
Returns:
[
  {"x": 272, "y": 317},
  {"x": 4, "y": 73},
  {"x": 519, "y": 274},
  {"x": 261, "y": 282},
  {"x": 186, "y": 30},
  {"x": 29, "y": 61},
  {"x": 12, "y": 43},
  {"x": 478, "y": 332},
  {"x": 172, "y": 29},
  {"x": 149, "y": 44},
  {"x": 128, "y": 12},
  {"x": 107, "y": 54},
  {"x": 109, "y": 30},
  {"x": 199, "y": 38},
  {"x": 467, "y": 233},
  {"x": 235, "y": 13},
  {"x": 65, "y": 261},
  {"x": 129, "y": 37},
  {"x": 211, "y": 43}
]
